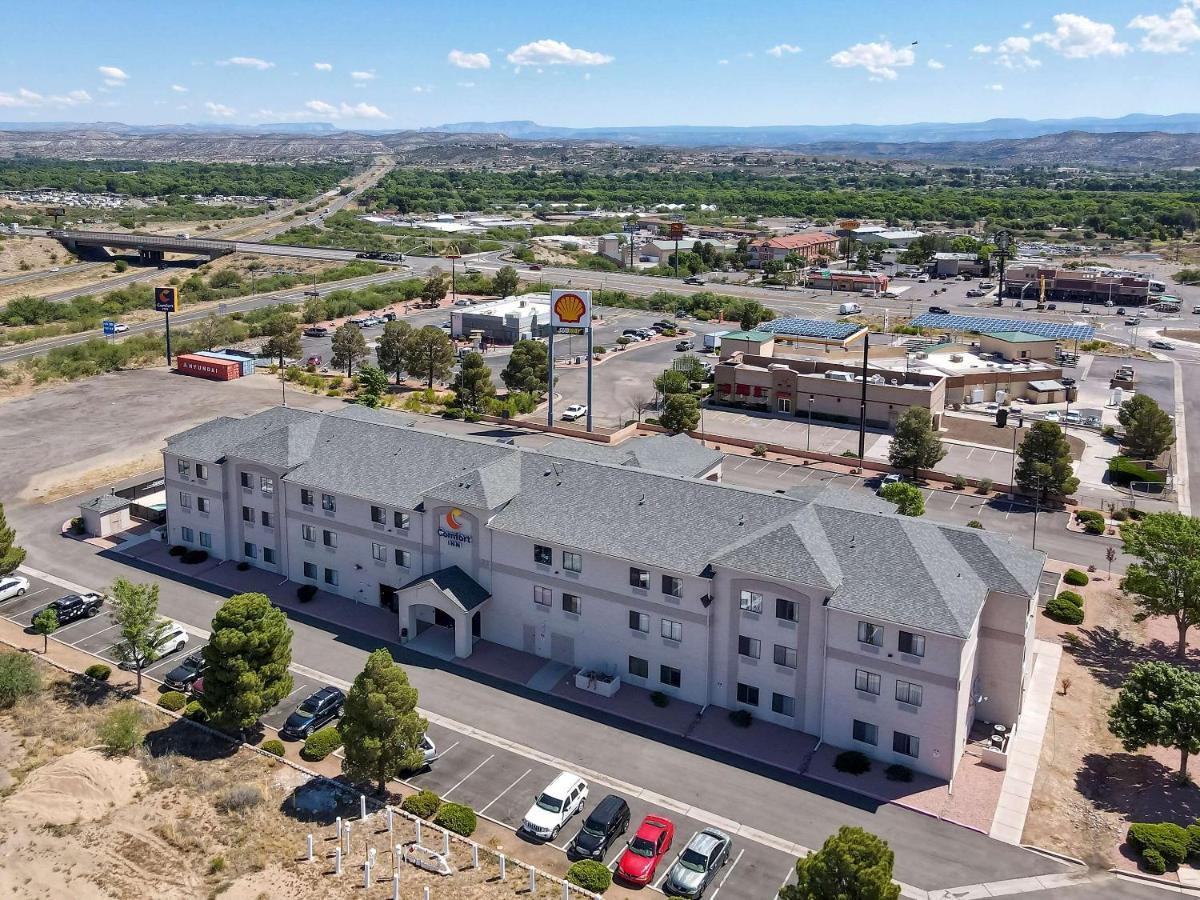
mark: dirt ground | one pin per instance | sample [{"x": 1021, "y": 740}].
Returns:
[
  {"x": 36, "y": 254},
  {"x": 983, "y": 431}
]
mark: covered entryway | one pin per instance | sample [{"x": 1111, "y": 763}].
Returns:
[{"x": 448, "y": 599}]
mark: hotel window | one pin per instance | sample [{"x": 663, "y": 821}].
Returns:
[
  {"x": 906, "y": 744},
  {"x": 328, "y": 503},
  {"x": 785, "y": 609},
  {"x": 672, "y": 586},
  {"x": 269, "y": 555},
  {"x": 185, "y": 467},
  {"x": 785, "y": 656},
  {"x": 248, "y": 514},
  {"x": 246, "y": 480},
  {"x": 542, "y": 596},
  {"x": 205, "y": 539},
  {"x": 639, "y": 578},
  {"x": 869, "y": 633},
  {"x": 202, "y": 504},
  {"x": 331, "y": 577},
  {"x": 751, "y": 602},
  {"x": 378, "y": 515},
  {"x": 748, "y": 646},
  {"x": 266, "y": 519},
  {"x": 783, "y": 704},
  {"x": 378, "y": 552},
  {"x": 310, "y": 570},
  {"x": 913, "y": 644},
  {"x": 403, "y": 558},
  {"x": 185, "y": 500},
  {"x": 572, "y": 604},
  {"x": 249, "y": 550},
  {"x": 400, "y": 520},
  {"x": 267, "y": 485},
  {"x": 907, "y": 692},
  {"x": 670, "y": 676},
  {"x": 572, "y": 562},
  {"x": 639, "y": 621},
  {"x": 672, "y": 630},
  {"x": 187, "y": 535},
  {"x": 543, "y": 556},
  {"x": 308, "y": 533},
  {"x": 866, "y": 733},
  {"x": 329, "y": 538},
  {"x": 201, "y": 471},
  {"x": 867, "y": 682},
  {"x": 306, "y": 497},
  {"x": 748, "y": 694},
  {"x": 638, "y": 667}
]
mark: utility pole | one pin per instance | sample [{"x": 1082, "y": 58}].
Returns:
[
  {"x": 862, "y": 415},
  {"x": 1003, "y": 240}
]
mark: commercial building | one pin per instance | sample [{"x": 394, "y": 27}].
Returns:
[
  {"x": 825, "y": 613},
  {"x": 949, "y": 265},
  {"x": 1018, "y": 345},
  {"x": 504, "y": 321},
  {"x": 1025, "y": 280},
  {"x": 855, "y": 282},
  {"x": 613, "y": 246},
  {"x": 895, "y": 237},
  {"x": 807, "y": 245}
]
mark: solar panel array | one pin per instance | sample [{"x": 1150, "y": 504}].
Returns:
[
  {"x": 987, "y": 324},
  {"x": 811, "y": 328}
]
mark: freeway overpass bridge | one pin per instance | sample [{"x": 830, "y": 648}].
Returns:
[{"x": 153, "y": 247}]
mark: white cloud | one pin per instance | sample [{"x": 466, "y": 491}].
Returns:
[
  {"x": 780, "y": 49},
  {"x": 982, "y": 48},
  {"x": 345, "y": 110},
  {"x": 722, "y": 62},
  {"x": 219, "y": 109},
  {"x": 113, "y": 76},
  {"x": 1078, "y": 37},
  {"x": 247, "y": 62},
  {"x": 27, "y": 99},
  {"x": 179, "y": 89},
  {"x": 363, "y": 76},
  {"x": 1171, "y": 34},
  {"x": 323, "y": 67},
  {"x": 422, "y": 89},
  {"x": 1013, "y": 53},
  {"x": 934, "y": 64},
  {"x": 995, "y": 87},
  {"x": 1026, "y": 25},
  {"x": 466, "y": 84},
  {"x": 548, "y": 52},
  {"x": 881, "y": 59},
  {"x": 465, "y": 60}
]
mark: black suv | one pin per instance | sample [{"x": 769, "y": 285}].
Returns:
[
  {"x": 184, "y": 675},
  {"x": 77, "y": 606},
  {"x": 316, "y": 712},
  {"x": 607, "y": 822},
  {"x": 939, "y": 310}
]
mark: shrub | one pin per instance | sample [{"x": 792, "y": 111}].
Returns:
[
  {"x": 590, "y": 875},
  {"x": 470, "y": 416},
  {"x": 177, "y": 550},
  {"x": 216, "y": 865},
  {"x": 852, "y": 762},
  {"x": 1064, "y": 611},
  {"x": 452, "y": 414},
  {"x": 1109, "y": 431},
  {"x": 741, "y": 718},
  {"x": 898, "y": 772},
  {"x": 98, "y": 671},
  {"x": 1193, "y": 831},
  {"x": 975, "y": 523},
  {"x": 122, "y": 729},
  {"x": 321, "y": 743},
  {"x": 274, "y": 746},
  {"x": 759, "y": 450},
  {"x": 850, "y": 454},
  {"x": 173, "y": 701},
  {"x": 18, "y": 678},
  {"x": 599, "y": 350},
  {"x": 1071, "y": 597},
  {"x": 1166, "y": 838},
  {"x": 195, "y": 711},
  {"x": 422, "y": 804},
  {"x": 306, "y": 592},
  {"x": 239, "y": 798},
  {"x": 1154, "y": 863},
  {"x": 985, "y": 485},
  {"x": 457, "y": 818},
  {"x": 1120, "y": 515},
  {"x": 1083, "y": 516},
  {"x": 958, "y": 482},
  {"x": 1093, "y": 527},
  {"x": 659, "y": 699},
  {"x": 194, "y": 557},
  {"x": 1122, "y": 471},
  {"x": 1072, "y": 640},
  {"x": 1075, "y": 578}
]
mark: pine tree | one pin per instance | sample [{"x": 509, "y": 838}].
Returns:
[
  {"x": 381, "y": 730},
  {"x": 11, "y": 555},
  {"x": 915, "y": 445},
  {"x": 349, "y": 348},
  {"x": 852, "y": 865},
  {"x": 473, "y": 384},
  {"x": 1044, "y": 464},
  {"x": 246, "y": 661}
]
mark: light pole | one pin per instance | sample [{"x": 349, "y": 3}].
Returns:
[
  {"x": 1037, "y": 505},
  {"x": 808, "y": 436},
  {"x": 1003, "y": 239}
]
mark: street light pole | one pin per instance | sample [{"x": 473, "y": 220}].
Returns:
[
  {"x": 1037, "y": 506},
  {"x": 808, "y": 437}
]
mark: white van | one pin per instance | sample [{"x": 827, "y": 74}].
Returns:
[{"x": 849, "y": 309}]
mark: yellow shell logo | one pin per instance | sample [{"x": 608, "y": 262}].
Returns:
[{"x": 570, "y": 308}]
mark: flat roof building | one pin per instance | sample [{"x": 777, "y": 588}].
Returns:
[{"x": 504, "y": 321}]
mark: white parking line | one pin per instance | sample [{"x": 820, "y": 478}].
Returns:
[
  {"x": 954, "y": 502},
  {"x": 468, "y": 775},
  {"x": 663, "y": 877},
  {"x": 784, "y": 470},
  {"x": 93, "y": 634},
  {"x": 447, "y": 750},
  {"x": 732, "y": 866},
  {"x": 505, "y": 791}
]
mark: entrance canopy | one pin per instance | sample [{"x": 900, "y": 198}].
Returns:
[{"x": 451, "y": 591}]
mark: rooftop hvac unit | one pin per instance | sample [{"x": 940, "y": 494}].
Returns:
[
  {"x": 921, "y": 354},
  {"x": 778, "y": 367},
  {"x": 956, "y": 357},
  {"x": 876, "y": 379},
  {"x": 894, "y": 381},
  {"x": 839, "y": 376}
]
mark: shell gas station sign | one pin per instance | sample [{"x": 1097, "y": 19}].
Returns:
[{"x": 571, "y": 309}]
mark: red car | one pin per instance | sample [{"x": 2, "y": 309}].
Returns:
[{"x": 651, "y": 843}]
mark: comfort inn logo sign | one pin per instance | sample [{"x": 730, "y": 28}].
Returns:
[{"x": 450, "y": 529}]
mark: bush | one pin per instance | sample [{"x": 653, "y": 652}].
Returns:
[
  {"x": 1122, "y": 471},
  {"x": 98, "y": 671},
  {"x": 452, "y": 413},
  {"x": 898, "y": 772},
  {"x": 471, "y": 416},
  {"x": 177, "y": 550},
  {"x": 759, "y": 450},
  {"x": 590, "y": 875},
  {"x": 975, "y": 523},
  {"x": 18, "y": 678},
  {"x": 850, "y": 454},
  {"x": 1064, "y": 611},
  {"x": 321, "y": 743},
  {"x": 1154, "y": 863},
  {"x": 659, "y": 699},
  {"x": 243, "y": 566},
  {"x": 422, "y": 804},
  {"x": 122, "y": 729},
  {"x": 985, "y": 485},
  {"x": 741, "y": 718},
  {"x": 1083, "y": 516},
  {"x": 1193, "y": 831},
  {"x": 457, "y": 818},
  {"x": 1075, "y": 578},
  {"x": 239, "y": 798},
  {"x": 1071, "y": 597},
  {"x": 216, "y": 865},
  {"x": 194, "y": 557},
  {"x": 173, "y": 701},
  {"x": 1120, "y": 515},
  {"x": 852, "y": 762},
  {"x": 306, "y": 592},
  {"x": 195, "y": 711},
  {"x": 958, "y": 482},
  {"x": 274, "y": 746},
  {"x": 1165, "y": 838},
  {"x": 1092, "y": 527}
]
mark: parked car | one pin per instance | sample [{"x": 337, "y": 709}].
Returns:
[
  {"x": 371, "y": 321},
  {"x": 890, "y": 478},
  {"x": 1121, "y": 310},
  {"x": 471, "y": 271},
  {"x": 629, "y": 332},
  {"x": 705, "y": 855},
  {"x": 607, "y": 822},
  {"x": 462, "y": 301},
  {"x": 316, "y": 331},
  {"x": 314, "y": 360},
  {"x": 172, "y": 640},
  {"x": 939, "y": 310},
  {"x": 1133, "y": 321},
  {"x": 685, "y": 345},
  {"x": 1085, "y": 310},
  {"x": 561, "y": 799},
  {"x": 695, "y": 279},
  {"x": 1161, "y": 345},
  {"x": 922, "y": 279},
  {"x": 388, "y": 317},
  {"x": 77, "y": 606},
  {"x": 975, "y": 292},
  {"x": 1052, "y": 417},
  {"x": 360, "y": 322},
  {"x": 428, "y": 748},
  {"x": 574, "y": 412},
  {"x": 1072, "y": 418},
  {"x": 184, "y": 675},
  {"x": 13, "y": 586},
  {"x": 317, "y": 711},
  {"x": 650, "y": 844}
]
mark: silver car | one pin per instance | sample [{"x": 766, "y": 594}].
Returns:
[{"x": 704, "y": 856}]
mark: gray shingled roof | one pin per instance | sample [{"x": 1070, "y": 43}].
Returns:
[
  {"x": 793, "y": 550},
  {"x": 488, "y": 487},
  {"x": 282, "y": 447},
  {"x": 105, "y": 503},
  {"x": 212, "y": 441},
  {"x": 670, "y": 454},
  {"x": 456, "y": 584}
]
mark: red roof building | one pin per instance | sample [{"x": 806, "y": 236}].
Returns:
[{"x": 805, "y": 244}]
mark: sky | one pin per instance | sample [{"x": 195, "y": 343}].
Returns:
[{"x": 393, "y": 65}]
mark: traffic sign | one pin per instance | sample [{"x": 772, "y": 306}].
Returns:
[
  {"x": 676, "y": 231},
  {"x": 630, "y": 227},
  {"x": 109, "y": 326}
]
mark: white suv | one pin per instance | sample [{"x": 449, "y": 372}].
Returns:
[{"x": 551, "y": 809}]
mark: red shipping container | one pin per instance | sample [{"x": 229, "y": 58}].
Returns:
[{"x": 208, "y": 367}]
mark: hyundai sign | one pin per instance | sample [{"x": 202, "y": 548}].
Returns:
[
  {"x": 166, "y": 299},
  {"x": 570, "y": 309}
]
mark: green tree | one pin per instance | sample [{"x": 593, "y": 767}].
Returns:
[
  {"x": 435, "y": 287},
  {"x": 851, "y": 865},
  {"x": 246, "y": 661},
  {"x": 1148, "y": 429},
  {"x": 1044, "y": 462},
  {"x": 349, "y": 348},
  {"x": 372, "y": 384},
  {"x": 908, "y": 498},
  {"x": 314, "y": 311},
  {"x": 45, "y": 623},
  {"x": 390, "y": 351},
  {"x": 506, "y": 282},
  {"x": 863, "y": 260},
  {"x": 1165, "y": 581},
  {"x": 212, "y": 330},
  {"x": 11, "y": 555},
  {"x": 671, "y": 381},
  {"x": 135, "y": 612},
  {"x": 473, "y": 384},
  {"x": 528, "y": 368},
  {"x": 1159, "y": 706},
  {"x": 680, "y": 413},
  {"x": 753, "y": 314},
  {"x": 427, "y": 353},
  {"x": 915, "y": 445},
  {"x": 283, "y": 339},
  {"x": 381, "y": 730}
]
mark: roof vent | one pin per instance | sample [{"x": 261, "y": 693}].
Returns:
[
  {"x": 642, "y": 500},
  {"x": 741, "y": 519}
]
